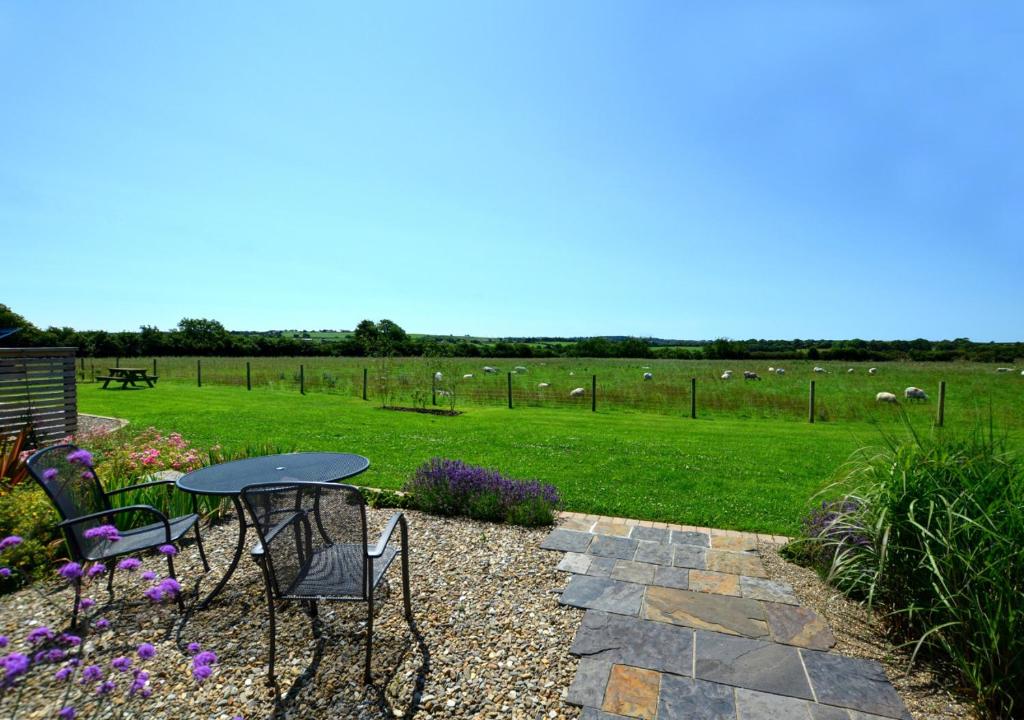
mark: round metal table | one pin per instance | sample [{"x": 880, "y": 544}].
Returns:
[{"x": 228, "y": 479}]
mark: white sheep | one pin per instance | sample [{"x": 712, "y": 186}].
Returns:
[
  {"x": 467, "y": 376},
  {"x": 438, "y": 376},
  {"x": 648, "y": 376},
  {"x": 850, "y": 370},
  {"x": 886, "y": 397},
  {"x": 780, "y": 371},
  {"x": 1022, "y": 372},
  {"x": 748, "y": 375},
  {"x": 576, "y": 392},
  {"x": 771, "y": 369},
  {"x": 727, "y": 374},
  {"x": 543, "y": 385},
  {"x": 520, "y": 368},
  {"x": 1004, "y": 369},
  {"x": 490, "y": 370},
  {"x": 819, "y": 369},
  {"x": 914, "y": 393},
  {"x": 571, "y": 372},
  {"x": 872, "y": 371}
]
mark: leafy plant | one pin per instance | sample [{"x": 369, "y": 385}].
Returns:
[{"x": 13, "y": 452}]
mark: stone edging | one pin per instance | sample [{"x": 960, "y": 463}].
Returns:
[{"x": 713, "y": 532}]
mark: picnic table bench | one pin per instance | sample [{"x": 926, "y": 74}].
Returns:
[{"x": 127, "y": 376}]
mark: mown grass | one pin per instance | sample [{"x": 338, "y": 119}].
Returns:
[{"x": 720, "y": 472}]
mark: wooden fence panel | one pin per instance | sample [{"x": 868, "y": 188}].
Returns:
[{"x": 37, "y": 385}]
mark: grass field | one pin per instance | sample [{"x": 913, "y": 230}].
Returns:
[{"x": 744, "y": 474}]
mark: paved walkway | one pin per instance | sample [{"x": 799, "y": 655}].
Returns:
[{"x": 683, "y": 623}]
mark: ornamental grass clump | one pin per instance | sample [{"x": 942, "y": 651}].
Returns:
[
  {"x": 451, "y": 487},
  {"x": 931, "y": 530}
]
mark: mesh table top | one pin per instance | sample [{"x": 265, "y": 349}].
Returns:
[{"x": 229, "y": 478}]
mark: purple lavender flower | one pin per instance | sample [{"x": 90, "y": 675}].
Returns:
[
  {"x": 50, "y": 473},
  {"x": 201, "y": 672},
  {"x": 105, "y": 532},
  {"x": 4, "y": 641},
  {"x": 70, "y": 571},
  {"x": 86, "y": 603},
  {"x": 168, "y": 550},
  {"x": 170, "y": 587},
  {"x": 54, "y": 655},
  {"x": 9, "y": 542},
  {"x": 193, "y": 648},
  {"x": 146, "y": 651},
  {"x": 82, "y": 457},
  {"x": 40, "y": 633},
  {"x": 206, "y": 657},
  {"x": 139, "y": 683},
  {"x": 91, "y": 674},
  {"x": 155, "y": 594},
  {"x": 101, "y": 624},
  {"x": 148, "y": 575},
  {"x": 129, "y": 564},
  {"x": 122, "y": 663},
  {"x": 96, "y": 569},
  {"x": 70, "y": 640},
  {"x": 87, "y": 475},
  {"x": 63, "y": 674},
  {"x": 5, "y": 572},
  {"x": 105, "y": 687},
  {"x": 14, "y": 665},
  {"x": 66, "y": 713}
]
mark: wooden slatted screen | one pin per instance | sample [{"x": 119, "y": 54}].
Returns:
[{"x": 37, "y": 385}]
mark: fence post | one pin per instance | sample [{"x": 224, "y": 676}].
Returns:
[
  {"x": 248, "y": 375},
  {"x": 302, "y": 379},
  {"x": 510, "y": 391},
  {"x": 92, "y": 366},
  {"x": 154, "y": 373},
  {"x": 433, "y": 389},
  {"x": 693, "y": 398},
  {"x": 593, "y": 393},
  {"x": 199, "y": 373},
  {"x": 117, "y": 362},
  {"x": 82, "y": 368},
  {"x": 810, "y": 405},
  {"x": 364, "y": 383},
  {"x": 941, "y": 416}
]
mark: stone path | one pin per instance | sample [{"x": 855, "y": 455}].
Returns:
[{"x": 683, "y": 623}]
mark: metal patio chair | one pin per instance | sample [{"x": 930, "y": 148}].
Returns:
[
  {"x": 313, "y": 547},
  {"x": 70, "y": 481}
]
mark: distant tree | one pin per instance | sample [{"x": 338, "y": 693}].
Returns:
[
  {"x": 202, "y": 336},
  {"x": 633, "y": 348},
  {"x": 28, "y": 334}
]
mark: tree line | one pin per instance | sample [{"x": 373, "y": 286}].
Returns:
[{"x": 204, "y": 337}]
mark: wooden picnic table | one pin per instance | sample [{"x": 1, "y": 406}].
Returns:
[{"x": 127, "y": 376}]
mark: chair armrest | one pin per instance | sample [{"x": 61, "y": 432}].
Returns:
[
  {"x": 398, "y": 519},
  {"x": 259, "y": 548},
  {"x": 115, "y": 511},
  {"x": 137, "y": 486}
]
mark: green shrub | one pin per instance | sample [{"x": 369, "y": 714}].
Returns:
[
  {"x": 26, "y": 511},
  {"x": 485, "y": 506},
  {"x": 933, "y": 532}
]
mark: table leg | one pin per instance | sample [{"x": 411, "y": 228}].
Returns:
[{"x": 242, "y": 525}]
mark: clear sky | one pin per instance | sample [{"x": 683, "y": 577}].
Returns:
[{"x": 675, "y": 169}]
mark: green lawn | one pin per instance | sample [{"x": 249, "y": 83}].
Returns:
[{"x": 741, "y": 474}]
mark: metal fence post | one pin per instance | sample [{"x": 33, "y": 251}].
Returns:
[
  {"x": 364, "y": 383},
  {"x": 433, "y": 389},
  {"x": 593, "y": 393},
  {"x": 248, "y": 375},
  {"x": 302, "y": 380},
  {"x": 941, "y": 416},
  {"x": 510, "y": 391},
  {"x": 199, "y": 373},
  {"x": 693, "y": 398},
  {"x": 810, "y": 405}
]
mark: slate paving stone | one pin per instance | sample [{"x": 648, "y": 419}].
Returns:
[
  {"x": 689, "y": 537},
  {"x": 694, "y": 700},
  {"x": 653, "y": 552},
  {"x": 576, "y": 523},
  {"x": 732, "y": 615},
  {"x": 567, "y": 541},
  {"x": 587, "y": 687},
  {"x": 632, "y": 691},
  {"x": 731, "y": 542},
  {"x": 736, "y": 563},
  {"x": 631, "y": 641},
  {"x": 600, "y": 566},
  {"x": 800, "y": 626},
  {"x": 658, "y": 535},
  {"x": 690, "y": 556},
  {"x": 575, "y": 563},
  {"x": 751, "y": 664},
  {"x": 768, "y": 590},
  {"x": 827, "y": 712},
  {"x": 718, "y": 583},
  {"x": 591, "y": 713},
  {"x": 754, "y": 705},
  {"x": 852, "y": 683},
  {"x": 631, "y": 571},
  {"x": 608, "y": 527},
  {"x": 678, "y": 578},
  {"x": 603, "y": 594},
  {"x": 619, "y": 548}
]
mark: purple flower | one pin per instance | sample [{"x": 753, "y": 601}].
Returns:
[
  {"x": 70, "y": 639},
  {"x": 96, "y": 569},
  {"x": 87, "y": 475},
  {"x": 129, "y": 564},
  {"x": 40, "y": 633},
  {"x": 5, "y": 572},
  {"x": 101, "y": 624},
  {"x": 82, "y": 457},
  {"x": 55, "y": 655},
  {"x": 105, "y": 532},
  {"x": 9, "y": 542},
  {"x": 63, "y": 674},
  {"x": 105, "y": 687},
  {"x": 201, "y": 672},
  {"x": 170, "y": 587},
  {"x": 193, "y": 648},
  {"x": 92, "y": 673},
  {"x": 49, "y": 473},
  {"x": 155, "y": 594},
  {"x": 148, "y": 575},
  {"x": 86, "y": 603},
  {"x": 14, "y": 664},
  {"x": 204, "y": 658},
  {"x": 66, "y": 713},
  {"x": 121, "y": 663},
  {"x": 4, "y": 641},
  {"x": 168, "y": 550},
  {"x": 141, "y": 678},
  {"x": 70, "y": 571},
  {"x": 146, "y": 692},
  {"x": 146, "y": 651}
]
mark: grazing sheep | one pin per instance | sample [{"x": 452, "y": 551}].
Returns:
[
  {"x": 872, "y": 371},
  {"x": 490, "y": 370},
  {"x": 576, "y": 392},
  {"x": 1022, "y": 372},
  {"x": 438, "y": 377},
  {"x": 780, "y": 371},
  {"x": 748, "y": 375},
  {"x": 727, "y": 374},
  {"x": 648, "y": 376},
  {"x": 571, "y": 372},
  {"x": 819, "y": 369},
  {"x": 887, "y": 397},
  {"x": 519, "y": 368},
  {"x": 914, "y": 393},
  {"x": 543, "y": 385},
  {"x": 771, "y": 369},
  {"x": 1004, "y": 369},
  {"x": 646, "y": 367},
  {"x": 467, "y": 376},
  {"x": 850, "y": 370}
]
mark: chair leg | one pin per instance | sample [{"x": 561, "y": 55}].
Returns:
[
  {"x": 369, "y": 636},
  {"x": 76, "y": 601},
  {"x": 202, "y": 553},
  {"x": 405, "y": 584},
  {"x": 170, "y": 571},
  {"x": 110, "y": 581},
  {"x": 271, "y": 680}
]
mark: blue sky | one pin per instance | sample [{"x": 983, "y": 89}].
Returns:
[{"x": 687, "y": 170}]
